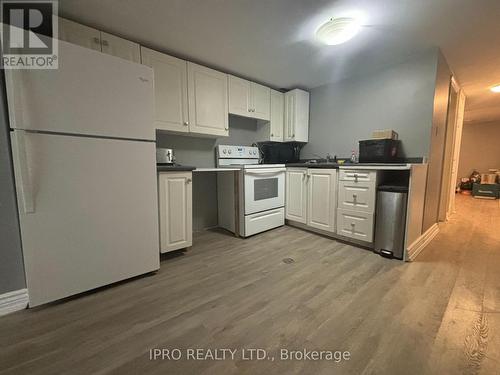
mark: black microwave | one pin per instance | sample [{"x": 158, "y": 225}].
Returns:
[{"x": 379, "y": 151}]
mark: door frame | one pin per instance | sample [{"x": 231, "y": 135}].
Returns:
[{"x": 451, "y": 151}]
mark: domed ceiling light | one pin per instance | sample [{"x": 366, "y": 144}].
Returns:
[{"x": 338, "y": 30}]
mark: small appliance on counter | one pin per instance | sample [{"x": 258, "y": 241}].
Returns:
[
  {"x": 379, "y": 151},
  {"x": 165, "y": 156}
]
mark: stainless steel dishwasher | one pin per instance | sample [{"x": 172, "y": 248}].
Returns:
[{"x": 390, "y": 220}]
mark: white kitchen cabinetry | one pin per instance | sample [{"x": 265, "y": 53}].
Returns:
[
  {"x": 356, "y": 204},
  {"x": 81, "y": 35},
  {"x": 89, "y": 37},
  {"x": 176, "y": 217},
  {"x": 296, "y": 116},
  {"x": 249, "y": 99},
  {"x": 119, "y": 47},
  {"x": 296, "y": 195},
  {"x": 171, "y": 97},
  {"x": 277, "y": 121},
  {"x": 207, "y": 101},
  {"x": 321, "y": 198},
  {"x": 311, "y": 196}
]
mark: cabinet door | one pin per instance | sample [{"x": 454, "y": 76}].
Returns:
[
  {"x": 296, "y": 195},
  {"x": 321, "y": 198},
  {"x": 81, "y": 35},
  {"x": 239, "y": 96},
  {"x": 208, "y": 104},
  {"x": 171, "y": 97},
  {"x": 260, "y": 101},
  {"x": 176, "y": 216},
  {"x": 277, "y": 116},
  {"x": 289, "y": 117},
  {"x": 119, "y": 47}
]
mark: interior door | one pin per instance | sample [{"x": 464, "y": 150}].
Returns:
[
  {"x": 119, "y": 47},
  {"x": 264, "y": 189},
  {"x": 456, "y": 152},
  {"x": 171, "y": 95},
  {"x": 321, "y": 191},
  {"x": 208, "y": 103},
  {"x": 91, "y": 93},
  {"x": 88, "y": 211}
]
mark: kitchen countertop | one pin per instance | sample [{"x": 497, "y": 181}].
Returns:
[
  {"x": 174, "y": 168},
  {"x": 350, "y": 165}
]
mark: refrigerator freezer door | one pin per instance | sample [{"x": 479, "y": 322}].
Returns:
[
  {"x": 90, "y": 93},
  {"x": 93, "y": 216}
]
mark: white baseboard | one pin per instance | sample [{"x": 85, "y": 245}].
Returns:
[
  {"x": 13, "y": 301},
  {"x": 420, "y": 243}
]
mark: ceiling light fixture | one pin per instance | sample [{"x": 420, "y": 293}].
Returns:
[
  {"x": 338, "y": 30},
  {"x": 495, "y": 88}
]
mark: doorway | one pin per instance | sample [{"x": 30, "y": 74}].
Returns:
[{"x": 453, "y": 137}]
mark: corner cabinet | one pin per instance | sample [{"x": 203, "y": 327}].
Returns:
[
  {"x": 311, "y": 197},
  {"x": 208, "y": 101},
  {"x": 175, "y": 201},
  {"x": 249, "y": 99},
  {"x": 296, "y": 127}
]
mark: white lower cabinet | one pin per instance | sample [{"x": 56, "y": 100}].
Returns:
[
  {"x": 311, "y": 197},
  {"x": 355, "y": 224},
  {"x": 175, "y": 200},
  {"x": 356, "y": 204},
  {"x": 321, "y": 198}
]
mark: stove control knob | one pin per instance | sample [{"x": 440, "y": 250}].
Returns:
[
  {"x": 229, "y": 152},
  {"x": 224, "y": 151}
]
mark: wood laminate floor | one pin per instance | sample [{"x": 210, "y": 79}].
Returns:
[{"x": 290, "y": 289}]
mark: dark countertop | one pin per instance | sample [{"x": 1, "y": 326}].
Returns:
[
  {"x": 174, "y": 168},
  {"x": 336, "y": 165}
]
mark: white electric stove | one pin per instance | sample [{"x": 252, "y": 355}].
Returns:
[{"x": 252, "y": 200}]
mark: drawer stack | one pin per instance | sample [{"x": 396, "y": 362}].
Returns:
[{"x": 356, "y": 204}]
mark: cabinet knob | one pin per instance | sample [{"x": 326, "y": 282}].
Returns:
[
  {"x": 186, "y": 123},
  {"x": 97, "y": 40},
  {"x": 272, "y": 135},
  {"x": 188, "y": 181},
  {"x": 293, "y": 135},
  {"x": 105, "y": 43},
  {"x": 226, "y": 128}
]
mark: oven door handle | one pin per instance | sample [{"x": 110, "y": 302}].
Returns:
[{"x": 265, "y": 172}]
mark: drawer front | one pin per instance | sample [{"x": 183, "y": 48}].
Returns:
[
  {"x": 263, "y": 221},
  {"x": 355, "y": 224},
  {"x": 357, "y": 175},
  {"x": 357, "y": 196}
]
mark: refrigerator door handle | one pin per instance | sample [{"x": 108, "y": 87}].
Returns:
[{"x": 21, "y": 160}]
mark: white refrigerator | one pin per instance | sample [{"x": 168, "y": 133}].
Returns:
[{"x": 84, "y": 160}]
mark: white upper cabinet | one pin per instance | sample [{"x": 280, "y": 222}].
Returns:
[
  {"x": 119, "y": 47},
  {"x": 81, "y": 35},
  {"x": 208, "y": 101},
  {"x": 88, "y": 37},
  {"x": 239, "y": 96},
  {"x": 260, "y": 101},
  {"x": 296, "y": 116},
  {"x": 277, "y": 116},
  {"x": 171, "y": 97},
  {"x": 249, "y": 99}
]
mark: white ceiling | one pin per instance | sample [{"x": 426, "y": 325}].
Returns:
[{"x": 272, "y": 41}]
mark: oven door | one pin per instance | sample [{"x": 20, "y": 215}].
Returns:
[{"x": 264, "y": 189}]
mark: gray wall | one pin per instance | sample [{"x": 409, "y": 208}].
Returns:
[
  {"x": 480, "y": 148},
  {"x": 399, "y": 97},
  {"x": 438, "y": 138},
  {"x": 11, "y": 259},
  {"x": 200, "y": 152}
]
